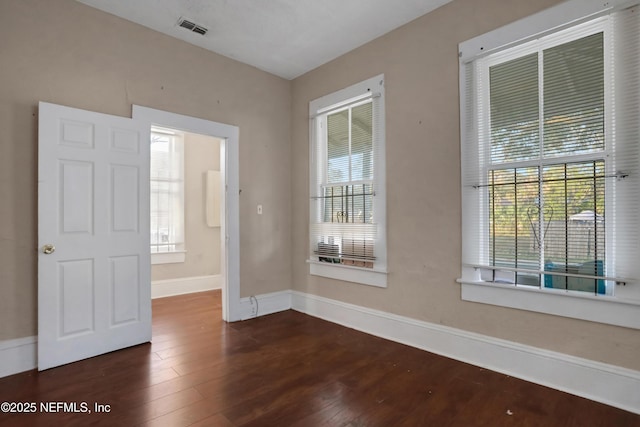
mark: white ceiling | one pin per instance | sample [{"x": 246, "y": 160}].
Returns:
[{"x": 284, "y": 37}]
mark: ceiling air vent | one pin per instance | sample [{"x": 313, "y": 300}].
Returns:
[{"x": 199, "y": 29}]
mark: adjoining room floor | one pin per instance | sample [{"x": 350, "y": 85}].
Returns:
[{"x": 285, "y": 369}]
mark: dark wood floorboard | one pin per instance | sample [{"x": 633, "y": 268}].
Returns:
[{"x": 286, "y": 369}]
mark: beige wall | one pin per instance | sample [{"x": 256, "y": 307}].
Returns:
[
  {"x": 201, "y": 153},
  {"x": 64, "y": 52},
  {"x": 420, "y": 64}
]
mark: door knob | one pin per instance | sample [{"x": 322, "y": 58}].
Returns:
[{"x": 48, "y": 249}]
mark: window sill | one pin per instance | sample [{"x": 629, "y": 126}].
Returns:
[
  {"x": 168, "y": 257},
  {"x": 601, "y": 309},
  {"x": 364, "y": 276}
]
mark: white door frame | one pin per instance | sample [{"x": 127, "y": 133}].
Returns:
[{"x": 229, "y": 168}]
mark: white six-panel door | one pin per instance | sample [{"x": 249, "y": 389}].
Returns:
[{"x": 94, "y": 292}]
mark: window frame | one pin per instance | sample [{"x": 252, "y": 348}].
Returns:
[
  {"x": 176, "y": 254},
  {"x": 318, "y": 109},
  {"x": 619, "y": 310},
  {"x": 542, "y": 161}
]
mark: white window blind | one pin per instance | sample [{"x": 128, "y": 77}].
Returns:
[
  {"x": 550, "y": 159},
  {"x": 347, "y": 210},
  {"x": 167, "y": 191}
]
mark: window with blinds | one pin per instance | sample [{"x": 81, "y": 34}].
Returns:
[
  {"x": 167, "y": 191},
  {"x": 550, "y": 158},
  {"x": 347, "y": 211}
]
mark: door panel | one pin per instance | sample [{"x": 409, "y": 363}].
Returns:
[
  {"x": 94, "y": 292},
  {"x": 76, "y": 197},
  {"x": 124, "y": 198},
  {"x": 76, "y": 289},
  {"x": 125, "y": 288}
]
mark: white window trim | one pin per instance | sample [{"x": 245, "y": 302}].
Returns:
[
  {"x": 376, "y": 276},
  {"x": 173, "y": 257},
  {"x": 576, "y": 305},
  {"x": 620, "y": 310},
  {"x": 550, "y": 20}
]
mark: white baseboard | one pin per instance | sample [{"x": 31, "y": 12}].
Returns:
[
  {"x": 185, "y": 285},
  {"x": 608, "y": 384},
  {"x": 265, "y": 304},
  {"x": 18, "y": 355}
]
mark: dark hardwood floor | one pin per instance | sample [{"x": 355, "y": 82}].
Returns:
[{"x": 286, "y": 369}]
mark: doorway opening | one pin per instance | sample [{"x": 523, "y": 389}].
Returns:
[
  {"x": 227, "y": 138},
  {"x": 185, "y": 211}
]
